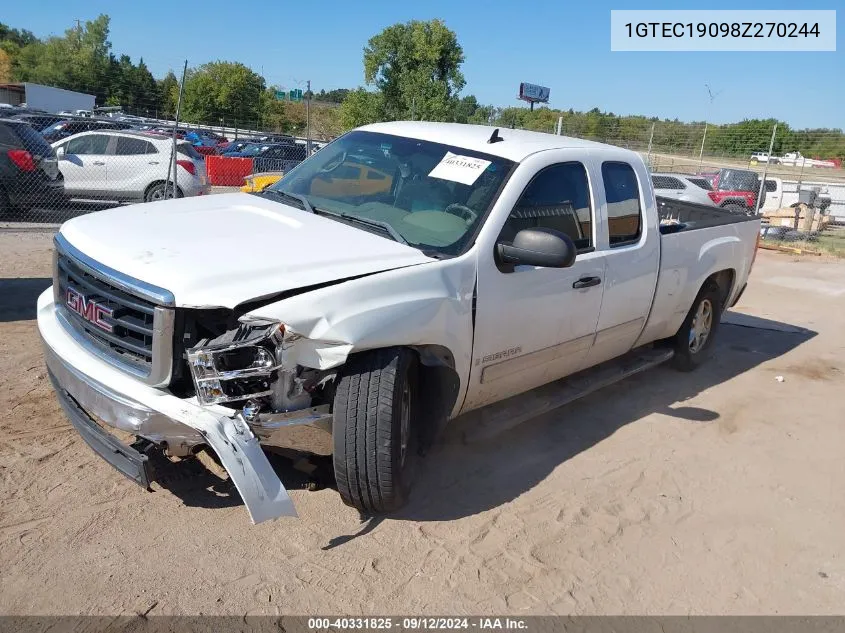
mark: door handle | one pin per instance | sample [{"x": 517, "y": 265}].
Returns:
[
  {"x": 98, "y": 162},
  {"x": 153, "y": 162},
  {"x": 587, "y": 282}
]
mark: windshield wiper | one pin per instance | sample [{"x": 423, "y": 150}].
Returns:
[
  {"x": 384, "y": 226},
  {"x": 306, "y": 206}
]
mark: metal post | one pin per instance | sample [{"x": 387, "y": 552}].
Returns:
[
  {"x": 559, "y": 125},
  {"x": 308, "y": 118},
  {"x": 171, "y": 166},
  {"x": 650, "y": 141},
  {"x": 701, "y": 151},
  {"x": 765, "y": 170}
]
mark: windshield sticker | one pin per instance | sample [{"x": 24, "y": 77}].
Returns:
[{"x": 462, "y": 169}]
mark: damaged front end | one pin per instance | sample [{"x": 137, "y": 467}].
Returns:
[{"x": 253, "y": 370}]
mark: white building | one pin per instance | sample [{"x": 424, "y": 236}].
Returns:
[{"x": 45, "y": 98}]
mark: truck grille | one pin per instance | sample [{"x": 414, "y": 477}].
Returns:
[{"x": 124, "y": 327}]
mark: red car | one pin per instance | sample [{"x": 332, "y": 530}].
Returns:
[{"x": 734, "y": 189}]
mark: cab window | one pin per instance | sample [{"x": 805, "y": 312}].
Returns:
[
  {"x": 624, "y": 213},
  {"x": 558, "y": 198}
]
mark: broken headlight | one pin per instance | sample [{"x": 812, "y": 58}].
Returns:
[{"x": 237, "y": 365}]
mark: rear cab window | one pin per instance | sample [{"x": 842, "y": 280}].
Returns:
[{"x": 624, "y": 211}]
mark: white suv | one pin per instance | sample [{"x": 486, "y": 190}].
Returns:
[{"x": 127, "y": 166}]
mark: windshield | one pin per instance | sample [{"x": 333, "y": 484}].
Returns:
[
  {"x": 738, "y": 180},
  {"x": 433, "y": 196}
]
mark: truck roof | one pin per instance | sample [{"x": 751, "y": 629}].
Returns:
[{"x": 516, "y": 144}]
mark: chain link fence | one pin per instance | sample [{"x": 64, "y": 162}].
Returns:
[{"x": 56, "y": 166}]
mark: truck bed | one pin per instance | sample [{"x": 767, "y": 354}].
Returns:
[
  {"x": 697, "y": 241},
  {"x": 678, "y": 215}
]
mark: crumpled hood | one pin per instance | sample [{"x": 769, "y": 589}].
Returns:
[{"x": 223, "y": 250}]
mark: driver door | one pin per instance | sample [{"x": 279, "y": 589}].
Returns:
[{"x": 534, "y": 325}]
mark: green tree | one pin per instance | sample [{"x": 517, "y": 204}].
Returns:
[
  {"x": 227, "y": 90},
  {"x": 168, "y": 93},
  {"x": 465, "y": 109},
  {"x": 416, "y": 69},
  {"x": 332, "y": 96},
  {"x": 361, "y": 107}
]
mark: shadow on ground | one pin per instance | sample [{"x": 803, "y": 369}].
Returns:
[
  {"x": 19, "y": 295},
  {"x": 458, "y": 480}
]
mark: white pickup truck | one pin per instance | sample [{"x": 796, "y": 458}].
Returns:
[{"x": 405, "y": 274}]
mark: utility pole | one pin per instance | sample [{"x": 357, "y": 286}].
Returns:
[
  {"x": 171, "y": 166},
  {"x": 765, "y": 171},
  {"x": 308, "y": 118},
  {"x": 709, "y": 112},
  {"x": 650, "y": 141}
]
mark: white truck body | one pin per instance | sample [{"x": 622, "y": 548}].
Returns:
[
  {"x": 342, "y": 291},
  {"x": 796, "y": 159}
]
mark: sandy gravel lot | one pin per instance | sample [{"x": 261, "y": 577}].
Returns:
[{"x": 718, "y": 491}]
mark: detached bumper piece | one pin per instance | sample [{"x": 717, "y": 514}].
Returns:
[{"x": 133, "y": 463}]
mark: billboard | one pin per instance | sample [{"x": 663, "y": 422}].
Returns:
[{"x": 533, "y": 93}]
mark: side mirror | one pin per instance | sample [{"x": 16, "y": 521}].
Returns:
[
  {"x": 60, "y": 152},
  {"x": 538, "y": 247}
]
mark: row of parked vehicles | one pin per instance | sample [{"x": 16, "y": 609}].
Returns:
[
  {"x": 48, "y": 159},
  {"x": 734, "y": 189}
]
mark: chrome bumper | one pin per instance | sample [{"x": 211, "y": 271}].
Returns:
[{"x": 306, "y": 430}]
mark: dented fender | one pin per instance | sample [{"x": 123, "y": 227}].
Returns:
[{"x": 412, "y": 306}]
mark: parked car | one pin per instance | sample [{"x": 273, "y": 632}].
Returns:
[
  {"x": 259, "y": 182},
  {"x": 735, "y": 189},
  {"x": 237, "y": 145},
  {"x": 358, "y": 325},
  {"x": 40, "y": 121},
  {"x": 68, "y": 127},
  {"x": 679, "y": 187},
  {"x": 127, "y": 166},
  {"x": 29, "y": 174},
  {"x": 272, "y": 156}
]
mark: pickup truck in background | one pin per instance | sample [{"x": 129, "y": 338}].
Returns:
[{"x": 355, "y": 323}]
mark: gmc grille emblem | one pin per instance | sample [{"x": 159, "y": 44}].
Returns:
[{"x": 89, "y": 309}]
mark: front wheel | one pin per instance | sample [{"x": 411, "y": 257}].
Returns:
[
  {"x": 694, "y": 339},
  {"x": 373, "y": 430}
]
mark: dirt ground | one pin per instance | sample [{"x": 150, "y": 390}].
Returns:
[{"x": 715, "y": 492}]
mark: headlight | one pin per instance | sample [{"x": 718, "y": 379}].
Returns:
[{"x": 237, "y": 365}]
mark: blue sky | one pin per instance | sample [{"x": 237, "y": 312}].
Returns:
[{"x": 562, "y": 44}]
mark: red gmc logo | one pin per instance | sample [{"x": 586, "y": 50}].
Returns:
[{"x": 89, "y": 310}]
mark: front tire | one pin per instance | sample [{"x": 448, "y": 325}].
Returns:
[
  {"x": 374, "y": 431},
  {"x": 694, "y": 340}
]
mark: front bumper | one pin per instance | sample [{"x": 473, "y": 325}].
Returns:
[{"x": 93, "y": 391}]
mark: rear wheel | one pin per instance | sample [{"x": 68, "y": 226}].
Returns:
[
  {"x": 373, "y": 430},
  {"x": 156, "y": 192},
  {"x": 694, "y": 339}
]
